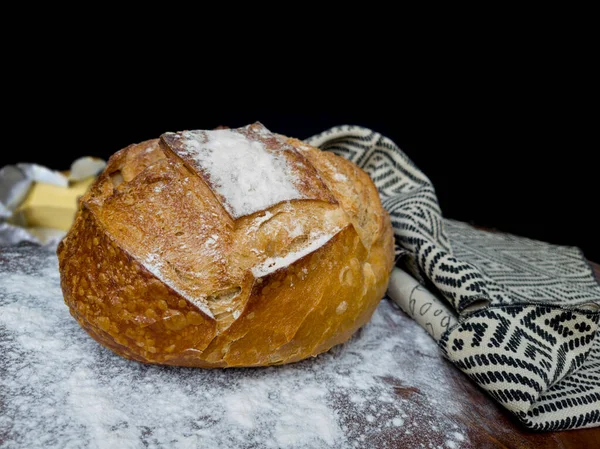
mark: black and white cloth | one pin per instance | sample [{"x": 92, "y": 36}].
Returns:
[{"x": 518, "y": 316}]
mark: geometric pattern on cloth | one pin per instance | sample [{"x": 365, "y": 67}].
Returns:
[
  {"x": 573, "y": 402},
  {"x": 526, "y": 311},
  {"x": 560, "y": 336},
  {"x": 526, "y": 271},
  {"x": 514, "y": 352}
]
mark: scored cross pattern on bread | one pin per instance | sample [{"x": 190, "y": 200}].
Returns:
[
  {"x": 248, "y": 169},
  {"x": 226, "y": 248}
]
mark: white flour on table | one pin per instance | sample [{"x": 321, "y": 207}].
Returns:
[{"x": 60, "y": 389}]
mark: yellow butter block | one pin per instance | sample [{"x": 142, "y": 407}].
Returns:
[{"x": 51, "y": 206}]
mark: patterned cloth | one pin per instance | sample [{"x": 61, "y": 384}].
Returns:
[{"x": 518, "y": 316}]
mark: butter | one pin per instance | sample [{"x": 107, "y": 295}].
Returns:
[{"x": 51, "y": 206}]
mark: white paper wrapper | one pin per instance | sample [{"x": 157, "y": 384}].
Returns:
[
  {"x": 4, "y": 212},
  {"x": 39, "y": 173},
  {"x": 15, "y": 183},
  {"x": 85, "y": 167}
]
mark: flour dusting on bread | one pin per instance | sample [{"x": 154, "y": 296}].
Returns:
[
  {"x": 241, "y": 169},
  {"x": 273, "y": 264},
  {"x": 154, "y": 264}
]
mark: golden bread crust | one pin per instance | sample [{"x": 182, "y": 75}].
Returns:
[{"x": 164, "y": 264}]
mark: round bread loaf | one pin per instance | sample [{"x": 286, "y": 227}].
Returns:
[{"x": 232, "y": 247}]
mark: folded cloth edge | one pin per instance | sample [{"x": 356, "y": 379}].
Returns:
[{"x": 420, "y": 233}]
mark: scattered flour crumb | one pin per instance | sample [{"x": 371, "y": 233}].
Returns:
[
  {"x": 336, "y": 174},
  {"x": 258, "y": 221},
  {"x": 154, "y": 264},
  {"x": 296, "y": 231},
  {"x": 458, "y": 436},
  {"x": 55, "y": 396},
  {"x": 275, "y": 263},
  {"x": 341, "y": 308}
]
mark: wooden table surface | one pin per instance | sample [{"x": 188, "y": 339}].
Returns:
[{"x": 479, "y": 420}]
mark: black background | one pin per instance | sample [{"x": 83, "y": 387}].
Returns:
[{"x": 510, "y": 147}]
